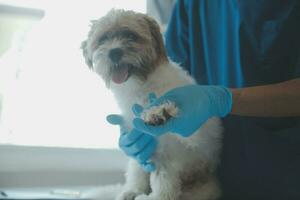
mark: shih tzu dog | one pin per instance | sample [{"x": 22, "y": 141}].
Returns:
[{"x": 126, "y": 49}]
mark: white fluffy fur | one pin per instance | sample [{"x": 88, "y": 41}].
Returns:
[
  {"x": 185, "y": 167},
  {"x": 175, "y": 156}
]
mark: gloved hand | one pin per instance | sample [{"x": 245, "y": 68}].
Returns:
[
  {"x": 196, "y": 105},
  {"x": 134, "y": 143}
]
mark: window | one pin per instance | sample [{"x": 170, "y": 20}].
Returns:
[{"x": 48, "y": 96}]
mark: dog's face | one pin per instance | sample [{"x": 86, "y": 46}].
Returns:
[{"x": 123, "y": 45}]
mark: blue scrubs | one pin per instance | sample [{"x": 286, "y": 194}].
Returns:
[{"x": 242, "y": 43}]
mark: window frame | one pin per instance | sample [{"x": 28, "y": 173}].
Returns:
[{"x": 33, "y": 166}]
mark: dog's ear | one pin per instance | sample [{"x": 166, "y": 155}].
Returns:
[
  {"x": 157, "y": 38},
  {"x": 85, "y": 54}
]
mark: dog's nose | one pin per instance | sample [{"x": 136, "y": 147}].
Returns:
[{"x": 115, "y": 54}]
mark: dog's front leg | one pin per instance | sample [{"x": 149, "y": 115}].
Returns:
[
  {"x": 137, "y": 182},
  {"x": 165, "y": 185}
]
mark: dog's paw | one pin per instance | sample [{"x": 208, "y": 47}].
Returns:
[
  {"x": 158, "y": 115},
  {"x": 127, "y": 195}
]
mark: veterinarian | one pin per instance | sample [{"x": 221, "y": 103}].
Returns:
[{"x": 245, "y": 56}]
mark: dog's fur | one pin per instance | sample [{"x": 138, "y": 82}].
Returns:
[{"x": 185, "y": 167}]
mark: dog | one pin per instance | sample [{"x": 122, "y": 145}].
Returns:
[{"x": 126, "y": 50}]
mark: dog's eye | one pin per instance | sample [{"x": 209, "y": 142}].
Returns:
[
  {"x": 102, "y": 39},
  {"x": 130, "y": 36}
]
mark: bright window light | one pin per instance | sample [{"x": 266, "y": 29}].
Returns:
[{"x": 55, "y": 99}]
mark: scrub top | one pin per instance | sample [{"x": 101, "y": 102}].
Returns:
[{"x": 242, "y": 43}]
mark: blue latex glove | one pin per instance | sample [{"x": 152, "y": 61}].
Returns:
[
  {"x": 134, "y": 143},
  {"x": 196, "y": 105}
]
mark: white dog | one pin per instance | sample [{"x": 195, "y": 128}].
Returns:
[{"x": 126, "y": 49}]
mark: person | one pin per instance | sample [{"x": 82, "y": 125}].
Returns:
[{"x": 252, "y": 49}]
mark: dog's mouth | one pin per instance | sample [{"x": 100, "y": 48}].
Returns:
[{"x": 121, "y": 74}]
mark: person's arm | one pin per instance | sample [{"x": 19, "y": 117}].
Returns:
[
  {"x": 198, "y": 103},
  {"x": 275, "y": 100}
]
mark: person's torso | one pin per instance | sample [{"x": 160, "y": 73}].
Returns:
[{"x": 241, "y": 43}]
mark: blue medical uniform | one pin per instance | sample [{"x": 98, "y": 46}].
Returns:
[{"x": 242, "y": 43}]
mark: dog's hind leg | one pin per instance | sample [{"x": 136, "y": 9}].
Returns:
[
  {"x": 137, "y": 182},
  {"x": 210, "y": 190},
  {"x": 165, "y": 185}
]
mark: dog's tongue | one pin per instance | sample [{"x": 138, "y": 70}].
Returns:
[{"x": 120, "y": 75}]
